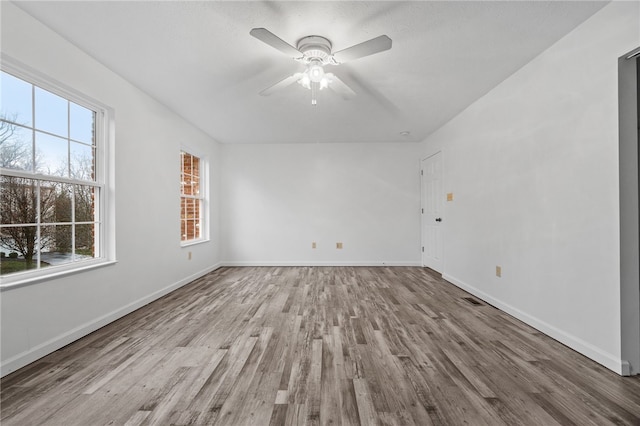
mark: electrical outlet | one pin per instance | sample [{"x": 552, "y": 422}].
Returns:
[
  {"x": 450, "y": 196},
  {"x": 313, "y": 245},
  {"x": 498, "y": 271},
  {"x": 338, "y": 245}
]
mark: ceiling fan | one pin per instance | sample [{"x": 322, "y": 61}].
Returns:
[{"x": 315, "y": 52}]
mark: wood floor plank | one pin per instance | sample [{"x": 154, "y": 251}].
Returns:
[
  {"x": 317, "y": 345},
  {"x": 236, "y": 406},
  {"x": 366, "y": 410}
]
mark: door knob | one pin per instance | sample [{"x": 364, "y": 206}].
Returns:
[{"x": 438, "y": 219}]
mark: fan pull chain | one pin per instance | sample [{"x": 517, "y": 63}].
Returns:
[{"x": 314, "y": 92}]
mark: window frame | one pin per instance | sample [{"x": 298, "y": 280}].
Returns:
[
  {"x": 204, "y": 197},
  {"x": 104, "y": 177}
]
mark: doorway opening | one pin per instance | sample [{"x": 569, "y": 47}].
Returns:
[{"x": 629, "y": 163}]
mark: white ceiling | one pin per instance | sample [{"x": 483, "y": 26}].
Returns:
[{"x": 199, "y": 59}]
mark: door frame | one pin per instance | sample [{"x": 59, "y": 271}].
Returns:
[
  {"x": 422, "y": 201},
  {"x": 629, "y": 181}
]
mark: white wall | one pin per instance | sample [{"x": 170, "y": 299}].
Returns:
[
  {"x": 533, "y": 166},
  {"x": 42, "y": 317},
  {"x": 277, "y": 199}
]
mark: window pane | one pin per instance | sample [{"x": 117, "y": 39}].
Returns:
[
  {"x": 85, "y": 197},
  {"x": 185, "y": 177},
  {"x": 196, "y": 229},
  {"x": 191, "y": 229},
  {"x": 81, "y": 121},
  {"x": 51, "y": 113},
  {"x": 187, "y": 208},
  {"x": 55, "y": 244},
  {"x": 195, "y": 167},
  {"x": 16, "y": 147},
  {"x": 85, "y": 241},
  {"x": 16, "y": 100},
  {"x": 186, "y": 163},
  {"x": 186, "y": 185},
  {"x": 191, "y": 209},
  {"x": 51, "y": 155},
  {"x": 19, "y": 247},
  {"x": 18, "y": 239},
  {"x": 196, "y": 209},
  {"x": 82, "y": 161},
  {"x": 61, "y": 202},
  {"x": 55, "y": 202},
  {"x": 17, "y": 200}
]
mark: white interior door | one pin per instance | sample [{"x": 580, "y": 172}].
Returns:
[{"x": 432, "y": 206}]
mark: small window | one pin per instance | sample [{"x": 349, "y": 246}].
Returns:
[
  {"x": 52, "y": 181},
  {"x": 192, "y": 198}
]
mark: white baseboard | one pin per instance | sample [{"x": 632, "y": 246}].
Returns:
[
  {"x": 598, "y": 355},
  {"x": 318, "y": 263},
  {"x": 64, "y": 339}
]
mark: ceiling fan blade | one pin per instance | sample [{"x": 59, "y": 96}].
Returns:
[
  {"x": 340, "y": 87},
  {"x": 375, "y": 45},
  {"x": 281, "y": 84},
  {"x": 276, "y": 42}
]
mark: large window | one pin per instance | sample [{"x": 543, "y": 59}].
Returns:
[
  {"x": 51, "y": 183},
  {"x": 192, "y": 198}
]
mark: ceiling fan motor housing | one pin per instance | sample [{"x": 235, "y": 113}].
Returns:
[{"x": 315, "y": 48}]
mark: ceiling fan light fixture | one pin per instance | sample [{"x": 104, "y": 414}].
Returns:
[
  {"x": 310, "y": 81},
  {"x": 316, "y": 72},
  {"x": 305, "y": 81}
]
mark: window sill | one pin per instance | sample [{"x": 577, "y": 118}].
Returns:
[
  {"x": 194, "y": 242},
  {"x": 18, "y": 281}
]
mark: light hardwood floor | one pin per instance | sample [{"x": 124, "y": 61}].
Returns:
[{"x": 321, "y": 345}]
